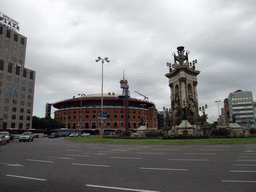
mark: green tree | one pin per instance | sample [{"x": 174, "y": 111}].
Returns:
[
  {"x": 46, "y": 123},
  {"x": 252, "y": 131}
]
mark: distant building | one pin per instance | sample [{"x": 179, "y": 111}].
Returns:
[
  {"x": 241, "y": 110},
  {"x": 68, "y": 111},
  {"x": 16, "y": 82}
]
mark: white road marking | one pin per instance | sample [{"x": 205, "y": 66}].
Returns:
[
  {"x": 244, "y": 164},
  {"x": 23, "y": 177},
  {"x": 246, "y": 160},
  {"x": 166, "y": 149},
  {"x": 242, "y": 171},
  {"x": 41, "y": 161},
  {"x": 189, "y": 159},
  {"x": 163, "y": 169},
  {"x": 51, "y": 157},
  {"x": 73, "y": 150},
  {"x": 145, "y": 153},
  {"x": 91, "y": 165},
  {"x": 74, "y": 155},
  {"x": 248, "y": 154},
  {"x": 238, "y": 181},
  {"x": 125, "y": 158},
  {"x": 200, "y": 153},
  {"x": 12, "y": 165},
  {"x": 246, "y": 157},
  {"x": 210, "y": 149},
  {"x": 119, "y": 188}
]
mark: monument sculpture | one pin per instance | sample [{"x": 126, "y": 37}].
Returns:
[{"x": 184, "y": 100}]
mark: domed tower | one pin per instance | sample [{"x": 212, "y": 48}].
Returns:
[{"x": 183, "y": 84}]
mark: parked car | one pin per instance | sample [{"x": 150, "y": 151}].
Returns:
[
  {"x": 6, "y": 134},
  {"x": 26, "y": 136},
  {"x": 2, "y": 140},
  {"x": 86, "y": 134},
  {"x": 53, "y": 135},
  {"x": 74, "y": 135}
]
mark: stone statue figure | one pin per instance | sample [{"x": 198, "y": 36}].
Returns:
[{"x": 180, "y": 57}]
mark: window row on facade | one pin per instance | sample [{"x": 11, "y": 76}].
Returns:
[
  {"x": 241, "y": 98},
  {"x": 13, "y": 125},
  {"x": 15, "y": 117},
  {"x": 107, "y": 111},
  {"x": 15, "y": 35},
  {"x": 95, "y": 116},
  {"x": 17, "y": 70}
]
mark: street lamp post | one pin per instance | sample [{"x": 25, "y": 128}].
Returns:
[
  {"x": 218, "y": 110},
  {"x": 101, "y": 126},
  {"x": 80, "y": 115}
]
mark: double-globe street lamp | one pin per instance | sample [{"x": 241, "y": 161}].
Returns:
[{"x": 101, "y": 115}]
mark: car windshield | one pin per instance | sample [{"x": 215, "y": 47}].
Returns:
[{"x": 26, "y": 133}]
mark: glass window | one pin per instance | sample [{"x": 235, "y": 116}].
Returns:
[
  {"x": 15, "y": 37},
  {"x": 10, "y": 67},
  {"x": 22, "y": 41},
  {"x": 17, "y": 70},
  {"x": 1, "y": 30},
  {"x": 7, "y": 100},
  {"x": 5, "y": 116},
  {"x": 31, "y": 75},
  {"x": 1, "y": 64},
  {"x": 13, "y": 117},
  {"x": 21, "y": 110},
  {"x": 25, "y": 73},
  {"x": 14, "y": 109},
  {"x": 12, "y": 125},
  {"x": 8, "y": 34},
  {"x": 6, "y": 108}
]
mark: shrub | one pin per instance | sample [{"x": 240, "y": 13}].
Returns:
[
  {"x": 252, "y": 131},
  {"x": 221, "y": 132},
  {"x": 186, "y": 137},
  {"x": 152, "y": 134},
  {"x": 126, "y": 134}
]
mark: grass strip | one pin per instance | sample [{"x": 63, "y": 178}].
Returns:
[{"x": 96, "y": 139}]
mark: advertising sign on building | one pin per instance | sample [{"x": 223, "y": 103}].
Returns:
[{"x": 7, "y": 21}]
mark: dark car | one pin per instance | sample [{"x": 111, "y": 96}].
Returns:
[{"x": 53, "y": 135}]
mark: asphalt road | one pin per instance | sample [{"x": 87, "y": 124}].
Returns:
[{"x": 59, "y": 165}]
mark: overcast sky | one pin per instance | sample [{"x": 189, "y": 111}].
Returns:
[{"x": 66, "y": 36}]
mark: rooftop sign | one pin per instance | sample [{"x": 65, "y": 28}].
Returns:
[{"x": 7, "y": 21}]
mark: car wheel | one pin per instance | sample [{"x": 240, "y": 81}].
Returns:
[{"x": 19, "y": 140}]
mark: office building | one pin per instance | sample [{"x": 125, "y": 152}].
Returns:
[
  {"x": 16, "y": 82},
  {"x": 241, "y": 108}
]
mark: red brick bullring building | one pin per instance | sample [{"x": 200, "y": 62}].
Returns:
[{"x": 69, "y": 112}]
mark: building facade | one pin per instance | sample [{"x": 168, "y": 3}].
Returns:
[
  {"x": 85, "y": 112},
  {"x": 16, "y": 82},
  {"x": 241, "y": 109}
]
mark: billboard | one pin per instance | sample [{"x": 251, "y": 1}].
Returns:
[{"x": 7, "y": 21}]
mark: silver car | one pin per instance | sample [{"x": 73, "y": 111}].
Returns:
[
  {"x": 26, "y": 136},
  {"x": 6, "y": 134},
  {"x": 2, "y": 140}
]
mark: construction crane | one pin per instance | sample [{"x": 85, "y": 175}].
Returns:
[{"x": 145, "y": 97}]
